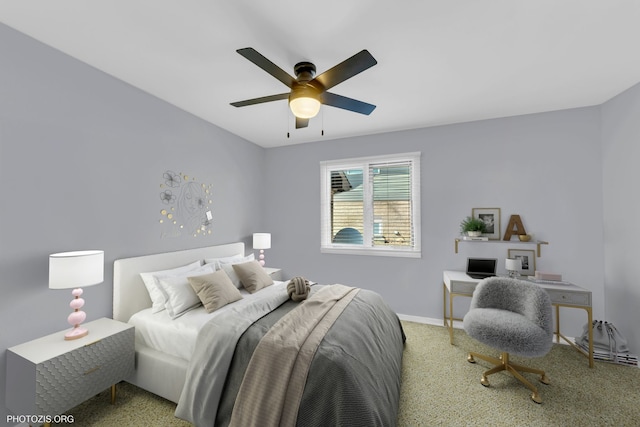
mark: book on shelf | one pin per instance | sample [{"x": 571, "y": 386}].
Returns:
[{"x": 475, "y": 238}]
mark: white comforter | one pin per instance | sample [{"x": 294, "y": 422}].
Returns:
[{"x": 178, "y": 337}]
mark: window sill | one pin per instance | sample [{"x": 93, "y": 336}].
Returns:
[{"x": 372, "y": 252}]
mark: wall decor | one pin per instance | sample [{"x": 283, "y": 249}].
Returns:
[
  {"x": 186, "y": 206},
  {"x": 515, "y": 227},
  {"x": 528, "y": 259},
  {"x": 491, "y": 218}
]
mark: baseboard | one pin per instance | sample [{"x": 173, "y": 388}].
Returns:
[
  {"x": 439, "y": 322},
  {"x": 426, "y": 320}
]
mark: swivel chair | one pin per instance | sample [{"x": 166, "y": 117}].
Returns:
[{"x": 515, "y": 317}]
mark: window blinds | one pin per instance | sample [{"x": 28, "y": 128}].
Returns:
[
  {"x": 391, "y": 203},
  {"x": 371, "y": 205}
]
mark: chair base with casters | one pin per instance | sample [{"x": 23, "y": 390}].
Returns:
[
  {"x": 514, "y": 317},
  {"x": 503, "y": 364}
]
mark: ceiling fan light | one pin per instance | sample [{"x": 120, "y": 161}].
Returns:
[
  {"x": 304, "y": 107},
  {"x": 304, "y": 102}
]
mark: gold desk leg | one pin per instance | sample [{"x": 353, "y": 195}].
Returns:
[
  {"x": 447, "y": 319},
  {"x": 113, "y": 394},
  {"x": 557, "y": 323},
  {"x": 450, "y": 318},
  {"x": 589, "y": 322},
  {"x": 588, "y": 354},
  {"x": 444, "y": 304}
]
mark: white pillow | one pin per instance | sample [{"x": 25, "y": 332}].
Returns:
[
  {"x": 151, "y": 283},
  {"x": 227, "y": 266},
  {"x": 217, "y": 261},
  {"x": 178, "y": 293}
]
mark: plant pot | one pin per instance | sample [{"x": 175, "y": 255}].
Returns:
[{"x": 474, "y": 233}]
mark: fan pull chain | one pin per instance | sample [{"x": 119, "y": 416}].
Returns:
[{"x": 288, "y": 122}]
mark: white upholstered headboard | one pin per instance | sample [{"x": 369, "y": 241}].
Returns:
[{"x": 129, "y": 292}]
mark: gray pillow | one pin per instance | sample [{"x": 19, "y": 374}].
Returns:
[
  {"x": 215, "y": 290},
  {"x": 252, "y": 276}
]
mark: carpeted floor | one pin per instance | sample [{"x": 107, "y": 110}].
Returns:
[{"x": 440, "y": 388}]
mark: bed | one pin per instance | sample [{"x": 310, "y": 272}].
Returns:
[{"x": 353, "y": 351}]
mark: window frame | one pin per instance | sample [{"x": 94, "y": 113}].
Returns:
[{"x": 367, "y": 248}]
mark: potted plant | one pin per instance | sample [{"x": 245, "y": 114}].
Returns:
[{"x": 472, "y": 226}]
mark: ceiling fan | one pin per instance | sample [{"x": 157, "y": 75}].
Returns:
[{"x": 309, "y": 92}]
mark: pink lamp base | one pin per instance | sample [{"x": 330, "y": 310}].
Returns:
[
  {"x": 77, "y": 317},
  {"x": 75, "y": 333}
]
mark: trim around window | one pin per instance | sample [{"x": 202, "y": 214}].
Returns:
[
  {"x": 350, "y": 250},
  {"x": 365, "y": 184}
]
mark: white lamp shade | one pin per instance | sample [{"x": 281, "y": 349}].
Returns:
[
  {"x": 512, "y": 264},
  {"x": 261, "y": 240},
  {"x": 76, "y": 269}
]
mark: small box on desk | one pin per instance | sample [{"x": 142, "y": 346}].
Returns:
[{"x": 548, "y": 276}]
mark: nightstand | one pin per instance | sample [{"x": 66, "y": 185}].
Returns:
[
  {"x": 49, "y": 375},
  {"x": 275, "y": 273}
]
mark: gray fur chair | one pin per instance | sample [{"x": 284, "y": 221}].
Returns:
[{"x": 515, "y": 317}]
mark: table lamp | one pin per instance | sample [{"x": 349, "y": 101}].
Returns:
[
  {"x": 69, "y": 270},
  {"x": 513, "y": 266},
  {"x": 261, "y": 241}
]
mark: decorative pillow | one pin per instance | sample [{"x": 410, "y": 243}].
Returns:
[
  {"x": 298, "y": 288},
  {"x": 177, "y": 292},
  {"x": 215, "y": 290},
  {"x": 151, "y": 283},
  {"x": 227, "y": 266},
  {"x": 252, "y": 276}
]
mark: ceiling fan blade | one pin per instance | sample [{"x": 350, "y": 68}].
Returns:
[
  {"x": 261, "y": 100},
  {"x": 301, "y": 123},
  {"x": 347, "y": 69},
  {"x": 257, "y": 58},
  {"x": 345, "y": 103}
]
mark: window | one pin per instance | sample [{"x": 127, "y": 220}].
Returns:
[{"x": 371, "y": 206}]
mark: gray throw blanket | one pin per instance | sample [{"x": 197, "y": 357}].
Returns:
[
  {"x": 270, "y": 396},
  {"x": 213, "y": 354},
  {"x": 354, "y": 377}
]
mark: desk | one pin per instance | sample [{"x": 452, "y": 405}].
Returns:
[{"x": 458, "y": 283}]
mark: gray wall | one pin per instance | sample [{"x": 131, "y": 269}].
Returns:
[
  {"x": 620, "y": 156},
  {"x": 544, "y": 167},
  {"x": 81, "y": 163},
  {"x": 82, "y": 154}
]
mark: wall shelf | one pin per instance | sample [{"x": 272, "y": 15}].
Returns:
[{"x": 538, "y": 243}]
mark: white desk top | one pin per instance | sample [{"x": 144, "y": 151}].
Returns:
[
  {"x": 458, "y": 282},
  {"x": 461, "y": 276}
]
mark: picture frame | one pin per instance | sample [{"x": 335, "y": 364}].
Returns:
[
  {"x": 528, "y": 258},
  {"x": 491, "y": 218}
]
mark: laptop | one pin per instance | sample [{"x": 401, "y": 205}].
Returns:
[{"x": 481, "y": 268}]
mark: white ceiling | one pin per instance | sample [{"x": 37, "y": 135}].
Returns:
[{"x": 439, "y": 62}]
